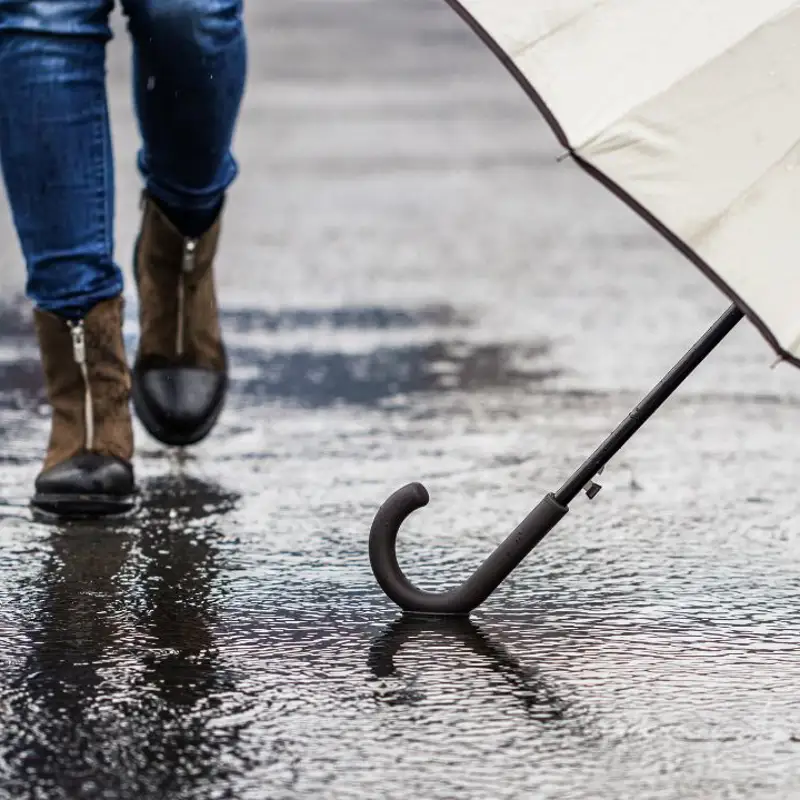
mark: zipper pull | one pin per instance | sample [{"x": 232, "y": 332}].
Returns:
[
  {"x": 78, "y": 342},
  {"x": 189, "y": 253}
]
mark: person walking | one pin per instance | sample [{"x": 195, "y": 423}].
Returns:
[{"x": 189, "y": 68}]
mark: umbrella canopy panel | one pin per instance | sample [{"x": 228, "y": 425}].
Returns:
[{"x": 690, "y": 111}]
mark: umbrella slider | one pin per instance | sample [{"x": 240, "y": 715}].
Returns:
[{"x": 592, "y": 489}]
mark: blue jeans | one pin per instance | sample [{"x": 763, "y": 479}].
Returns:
[{"x": 55, "y": 139}]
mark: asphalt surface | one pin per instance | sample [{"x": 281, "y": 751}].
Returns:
[{"x": 414, "y": 288}]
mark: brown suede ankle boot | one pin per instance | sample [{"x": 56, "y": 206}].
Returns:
[
  {"x": 180, "y": 377},
  {"x": 87, "y": 470}
]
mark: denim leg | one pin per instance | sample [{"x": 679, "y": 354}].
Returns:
[
  {"x": 55, "y": 149},
  {"x": 189, "y": 75}
]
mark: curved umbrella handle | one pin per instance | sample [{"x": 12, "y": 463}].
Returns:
[
  {"x": 470, "y": 594},
  {"x": 490, "y": 574}
]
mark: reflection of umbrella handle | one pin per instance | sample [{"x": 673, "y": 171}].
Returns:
[
  {"x": 470, "y": 594},
  {"x": 388, "y": 644}
]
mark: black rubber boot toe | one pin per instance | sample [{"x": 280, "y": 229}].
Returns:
[
  {"x": 86, "y": 485},
  {"x": 179, "y": 405}
]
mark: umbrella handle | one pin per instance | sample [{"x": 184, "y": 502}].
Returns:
[
  {"x": 544, "y": 517},
  {"x": 488, "y": 576}
]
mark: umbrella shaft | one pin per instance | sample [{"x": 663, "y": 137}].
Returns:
[{"x": 677, "y": 375}]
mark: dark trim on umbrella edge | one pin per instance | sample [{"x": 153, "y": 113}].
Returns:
[{"x": 615, "y": 188}]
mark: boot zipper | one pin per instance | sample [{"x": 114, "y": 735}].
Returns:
[
  {"x": 187, "y": 267},
  {"x": 79, "y": 353}
]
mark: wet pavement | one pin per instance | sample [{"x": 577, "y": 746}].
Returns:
[{"x": 414, "y": 288}]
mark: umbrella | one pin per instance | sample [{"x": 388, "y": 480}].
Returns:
[{"x": 688, "y": 111}]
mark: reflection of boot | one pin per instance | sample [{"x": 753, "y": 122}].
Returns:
[
  {"x": 180, "y": 374},
  {"x": 179, "y": 558},
  {"x": 87, "y": 470}
]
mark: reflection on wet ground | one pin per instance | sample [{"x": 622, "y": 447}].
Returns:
[
  {"x": 117, "y": 688},
  {"x": 413, "y": 289},
  {"x": 525, "y": 685}
]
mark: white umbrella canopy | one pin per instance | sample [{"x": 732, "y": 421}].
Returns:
[{"x": 689, "y": 110}]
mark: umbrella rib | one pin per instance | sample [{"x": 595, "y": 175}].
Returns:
[
  {"x": 653, "y": 97},
  {"x": 684, "y": 76},
  {"x": 706, "y": 230},
  {"x": 558, "y": 29}
]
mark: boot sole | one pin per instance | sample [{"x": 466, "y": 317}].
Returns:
[
  {"x": 82, "y": 506},
  {"x": 167, "y": 435}
]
